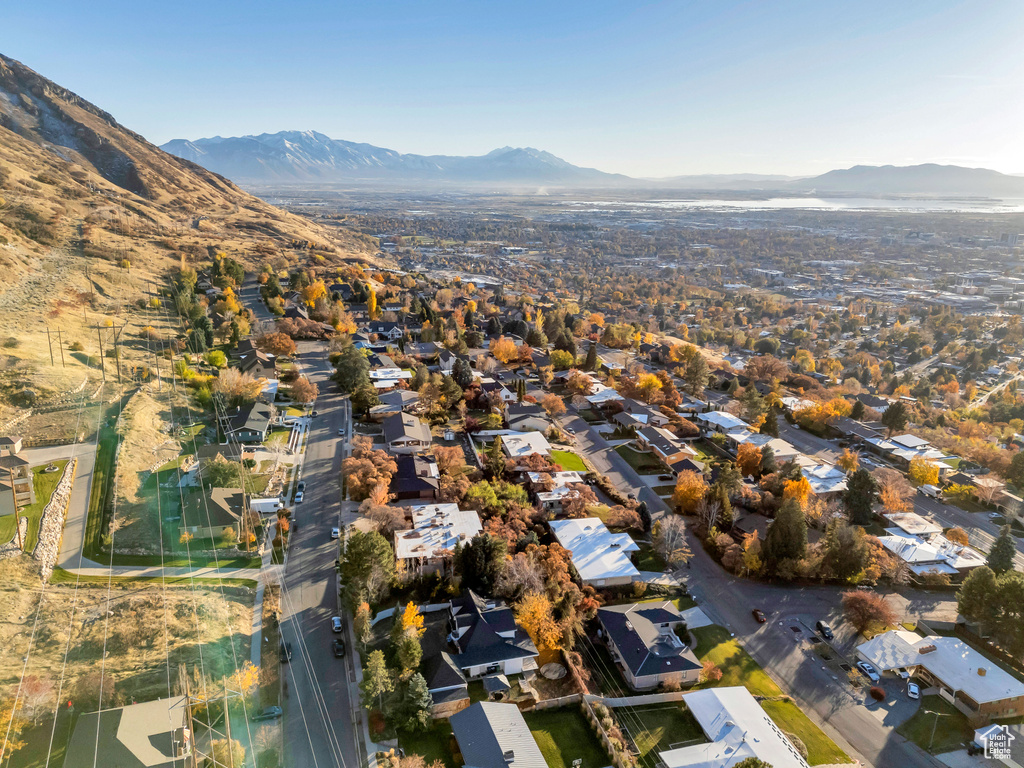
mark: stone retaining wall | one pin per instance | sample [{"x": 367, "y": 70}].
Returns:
[
  {"x": 15, "y": 421},
  {"x": 11, "y": 548},
  {"x": 51, "y": 522}
]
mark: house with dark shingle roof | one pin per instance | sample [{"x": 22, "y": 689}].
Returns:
[
  {"x": 152, "y": 734},
  {"x": 416, "y": 477},
  {"x": 486, "y": 640},
  {"x": 211, "y": 516},
  {"x": 494, "y": 735},
  {"x": 258, "y": 365},
  {"x": 405, "y": 433},
  {"x": 643, "y": 641},
  {"x": 448, "y": 688},
  {"x": 249, "y": 423}
]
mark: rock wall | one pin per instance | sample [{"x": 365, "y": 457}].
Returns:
[
  {"x": 11, "y": 548},
  {"x": 51, "y": 522}
]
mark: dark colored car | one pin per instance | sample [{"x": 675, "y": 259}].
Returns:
[
  {"x": 301, "y": 486},
  {"x": 759, "y": 616},
  {"x": 339, "y": 648},
  {"x": 270, "y": 713},
  {"x": 825, "y": 630},
  {"x": 286, "y": 652}
]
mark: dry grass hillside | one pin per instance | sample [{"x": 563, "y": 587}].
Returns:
[{"x": 92, "y": 216}]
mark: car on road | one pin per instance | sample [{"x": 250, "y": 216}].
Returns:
[
  {"x": 570, "y": 430},
  {"x": 286, "y": 652},
  {"x": 994, "y": 515},
  {"x": 339, "y": 648},
  {"x": 270, "y": 713},
  {"x": 336, "y": 624},
  {"x": 341, "y": 431},
  {"x": 301, "y": 486},
  {"x": 868, "y": 671},
  {"x": 913, "y": 690},
  {"x": 825, "y": 630},
  {"x": 335, "y": 533},
  {"x": 632, "y": 497},
  {"x": 759, "y": 616},
  {"x": 315, "y": 413},
  {"x": 665, "y": 478},
  {"x": 298, "y": 497}
]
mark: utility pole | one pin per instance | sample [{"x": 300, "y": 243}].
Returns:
[
  {"x": 193, "y": 753},
  {"x": 103, "y": 369},
  {"x": 60, "y": 344},
  {"x": 17, "y": 517},
  {"x": 117, "y": 359},
  {"x": 227, "y": 721},
  {"x": 49, "y": 344}
]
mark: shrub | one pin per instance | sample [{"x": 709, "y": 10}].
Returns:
[
  {"x": 877, "y": 693},
  {"x": 11, "y": 342}
]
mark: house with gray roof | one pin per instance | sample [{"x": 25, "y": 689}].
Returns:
[
  {"x": 495, "y": 735},
  {"x": 485, "y": 639},
  {"x": 405, "y": 433},
  {"x": 153, "y": 734},
  {"x": 643, "y": 640}
]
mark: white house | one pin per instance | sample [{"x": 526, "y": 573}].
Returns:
[
  {"x": 600, "y": 557},
  {"x": 550, "y": 498},
  {"x": 436, "y": 529},
  {"x": 721, "y": 421},
  {"x": 522, "y": 444}
]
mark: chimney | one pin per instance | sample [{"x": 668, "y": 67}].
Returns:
[
  {"x": 982, "y": 671},
  {"x": 510, "y": 756}
]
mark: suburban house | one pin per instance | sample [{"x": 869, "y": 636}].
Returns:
[
  {"x": 258, "y": 364},
  {"x": 16, "y": 477},
  {"x": 10, "y": 445},
  {"x": 448, "y": 688},
  {"x": 643, "y": 641},
  {"x": 526, "y": 417},
  {"x": 385, "y": 329},
  {"x": 931, "y": 553},
  {"x": 737, "y": 729},
  {"x": 436, "y": 529},
  {"x": 721, "y": 422},
  {"x": 552, "y": 488},
  {"x": 497, "y": 389},
  {"x": 663, "y": 444},
  {"x": 446, "y": 361},
  {"x": 416, "y": 477},
  {"x": 405, "y": 433},
  {"x": 520, "y": 444},
  {"x": 600, "y": 557},
  {"x": 484, "y": 638},
  {"x": 153, "y": 734},
  {"x": 643, "y": 413},
  {"x": 211, "y": 517},
  {"x": 491, "y": 734},
  {"x": 249, "y": 423},
  {"x": 827, "y": 480},
  {"x": 972, "y": 683},
  {"x": 395, "y": 402}
]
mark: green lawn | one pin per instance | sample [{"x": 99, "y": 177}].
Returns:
[
  {"x": 102, "y": 476},
  {"x": 738, "y": 668},
  {"x": 665, "y": 726},
  {"x": 791, "y": 719},
  {"x": 434, "y": 744},
  {"x": 564, "y": 735},
  {"x": 643, "y": 463},
  {"x": 44, "y": 484},
  {"x": 279, "y": 437},
  {"x": 568, "y": 461},
  {"x": 952, "y": 731},
  {"x": 590, "y": 416},
  {"x": 646, "y": 559},
  {"x": 705, "y": 452}
]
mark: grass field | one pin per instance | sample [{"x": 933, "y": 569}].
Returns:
[
  {"x": 951, "y": 732},
  {"x": 646, "y": 559},
  {"x": 564, "y": 735},
  {"x": 568, "y": 461},
  {"x": 102, "y": 475},
  {"x": 738, "y": 668},
  {"x": 660, "y": 727},
  {"x": 434, "y": 744},
  {"x": 820, "y": 748},
  {"x": 643, "y": 463},
  {"x": 44, "y": 483}
]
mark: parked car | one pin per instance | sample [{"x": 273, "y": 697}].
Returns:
[
  {"x": 759, "y": 616},
  {"x": 301, "y": 486},
  {"x": 335, "y": 533},
  {"x": 903, "y": 673},
  {"x": 913, "y": 690},
  {"x": 298, "y": 497},
  {"x": 570, "y": 430},
  {"x": 315, "y": 413},
  {"x": 341, "y": 431},
  {"x": 286, "y": 652},
  {"x": 994, "y": 515},
  {"x": 825, "y": 630},
  {"x": 270, "y": 713},
  {"x": 336, "y": 624},
  {"x": 339, "y": 648},
  {"x": 665, "y": 478},
  {"x": 869, "y": 671}
]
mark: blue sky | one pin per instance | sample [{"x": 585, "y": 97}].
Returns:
[{"x": 647, "y": 89}]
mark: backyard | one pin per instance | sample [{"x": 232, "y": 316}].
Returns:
[
  {"x": 564, "y": 735},
  {"x": 658, "y": 728},
  {"x": 821, "y": 750},
  {"x": 44, "y": 483}
]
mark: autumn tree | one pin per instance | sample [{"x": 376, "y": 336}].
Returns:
[
  {"x": 690, "y": 489},
  {"x": 865, "y": 610},
  {"x": 958, "y": 536},
  {"x": 238, "y": 388},
  {"x": 748, "y": 459},
  {"x": 798, "y": 489},
  {"x": 366, "y": 468},
  {"x": 848, "y": 460},
  {"x": 553, "y": 405},
  {"x": 504, "y": 349},
  {"x": 534, "y": 614},
  {"x": 278, "y": 344},
  {"x": 765, "y": 368},
  {"x": 894, "y": 491},
  {"x": 304, "y": 391},
  {"x": 226, "y": 752},
  {"x": 13, "y": 723},
  {"x": 923, "y": 472},
  {"x": 450, "y": 459}
]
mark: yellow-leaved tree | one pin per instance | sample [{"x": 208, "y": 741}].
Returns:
[
  {"x": 690, "y": 489},
  {"x": 535, "y": 615}
]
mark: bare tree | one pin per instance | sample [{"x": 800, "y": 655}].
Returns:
[
  {"x": 707, "y": 513},
  {"x": 669, "y": 538}
]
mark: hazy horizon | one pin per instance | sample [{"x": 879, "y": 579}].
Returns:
[{"x": 657, "y": 90}]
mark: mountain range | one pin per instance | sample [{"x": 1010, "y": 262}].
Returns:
[{"x": 308, "y": 158}]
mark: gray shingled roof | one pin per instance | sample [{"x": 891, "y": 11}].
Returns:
[{"x": 493, "y": 735}]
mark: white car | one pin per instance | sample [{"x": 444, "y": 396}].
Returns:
[
  {"x": 298, "y": 497},
  {"x": 903, "y": 673},
  {"x": 869, "y": 671},
  {"x": 994, "y": 515},
  {"x": 336, "y": 624},
  {"x": 913, "y": 690},
  {"x": 335, "y": 533}
]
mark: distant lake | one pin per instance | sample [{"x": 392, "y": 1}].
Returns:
[{"x": 896, "y": 205}]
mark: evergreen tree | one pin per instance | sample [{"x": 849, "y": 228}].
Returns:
[
  {"x": 895, "y": 417},
  {"x": 493, "y": 326},
  {"x": 377, "y": 683},
  {"x": 536, "y": 338},
  {"x": 363, "y": 398},
  {"x": 725, "y": 515},
  {"x": 495, "y": 462},
  {"x": 352, "y": 370},
  {"x": 857, "y": 412},
  {"x": 859, "y": 497},
  {"x": 565, "y": 342},
  {"x": 697, "y": 373},
  {"x": 787, "y": 535},
  {"x": 462, "y": 373},
  {"x": 1015, "y": 474},
  {"x": 771, "y": 424},
  {"x": 591, "y": 362},
  {"x": 414, "y": 707},
  {"x": 1000, "y": 557},
  {"x": 768, "y": 464},
  {"x": 977, "y": 595},
  {"x": 732, "y": 386},
  {"x": 753, "y": 403},
  {"x": 480, "y": 562}
]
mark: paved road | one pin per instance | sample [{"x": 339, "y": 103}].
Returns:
[{"x": 318, "y": 720}]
